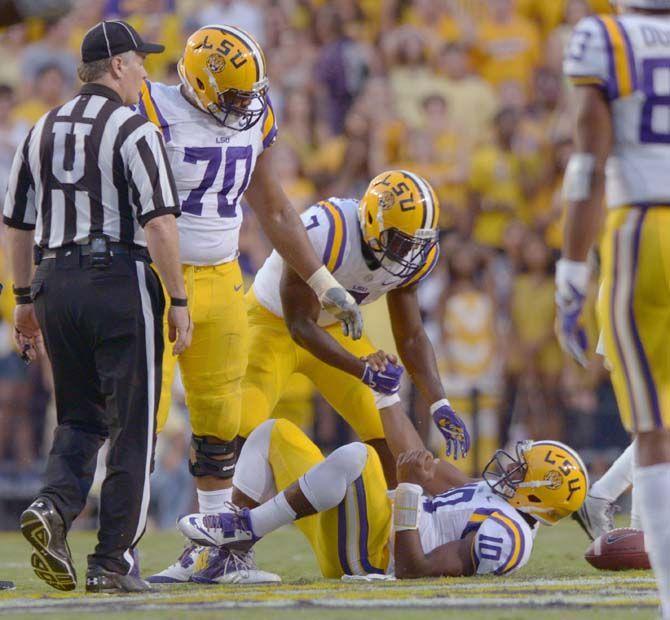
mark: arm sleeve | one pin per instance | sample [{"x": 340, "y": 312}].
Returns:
[
  {"x": 152, "y": 186},
  {"x": 19, "y": 209},
  {"x": 501, "y": 545},
  {"x": 589, "y": 58},
  {"x": 269, "y": 126}
]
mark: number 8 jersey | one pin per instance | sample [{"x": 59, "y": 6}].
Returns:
[
  {"x": 212, "y": 166},
  {"x": 628, "y": 57}
]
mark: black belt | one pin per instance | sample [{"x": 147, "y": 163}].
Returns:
[{"x": 77, "y": 249}]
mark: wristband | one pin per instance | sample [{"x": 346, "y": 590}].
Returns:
[
  {"x": 443, "y": 402},
  {"x": 321, "y": 281},
  {"x": 20, "y": 291},
  {"x": 23, "y": 300},
  {"x": 179, "y": 302},
  {"x": 406, "y": 506},
  {"x": 385, "y": 400}
]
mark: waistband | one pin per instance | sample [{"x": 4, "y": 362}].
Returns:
[{"x": 78, "y": 250}]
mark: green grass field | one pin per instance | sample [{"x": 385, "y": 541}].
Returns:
[{"x": 557, "y": 581}]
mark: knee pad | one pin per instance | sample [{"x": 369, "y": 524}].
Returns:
[{"x": 212, "y": 459}]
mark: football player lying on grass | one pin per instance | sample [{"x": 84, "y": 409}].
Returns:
[{"x": 440, "y": 522}]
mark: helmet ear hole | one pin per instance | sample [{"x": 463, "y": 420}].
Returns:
[
  {"x": 200, "y": 84},
  {"x": 535, "y": 499},
  {"x": 370, "y": 219}
]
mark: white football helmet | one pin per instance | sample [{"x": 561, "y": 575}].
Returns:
[{"x": 642, "y": 4}]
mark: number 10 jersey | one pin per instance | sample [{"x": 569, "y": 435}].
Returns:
[
  {"x": 212, "y": 166},
  {"x": 628, "y": 57}
]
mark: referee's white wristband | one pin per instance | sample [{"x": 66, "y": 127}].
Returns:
[
  {"x": 322, "y": 281},
  {"x": 406, "y": 504}
]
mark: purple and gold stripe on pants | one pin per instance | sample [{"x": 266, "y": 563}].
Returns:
[{"x": 352, "y": 532}]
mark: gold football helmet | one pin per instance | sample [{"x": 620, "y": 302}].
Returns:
[
  {"x": 547, "y": 479},
  {"x": 398, "y": 216},
  {"x": 223, "y": 71}
]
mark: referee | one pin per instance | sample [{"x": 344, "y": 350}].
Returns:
[{"x": 91, "y": 186}]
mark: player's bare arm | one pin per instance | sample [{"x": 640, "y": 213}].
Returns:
[
  {"x": 416, "y": 470},
  {"x": 285, "y": 230},
  {"x": 584, "y": 188},
  {"x": 593, "y": 140},
  {"x": 402, "y": 437},
  {"x": 301, "y": 313}
]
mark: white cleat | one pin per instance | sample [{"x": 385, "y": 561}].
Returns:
[
  {"x": 596, "y": 516},
  {"x": 188, "y": 563},
  {"x": 224, "y": 565}
]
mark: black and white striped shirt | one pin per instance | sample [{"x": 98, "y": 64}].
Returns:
[{"x": 90, "y": 167}]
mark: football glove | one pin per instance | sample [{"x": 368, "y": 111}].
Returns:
[
  {"x": 453, "y": 429},
  {"x": 339, "y": 302},
  {"x": 383, "y": 381},
  {"x": 572, "y": 280}
]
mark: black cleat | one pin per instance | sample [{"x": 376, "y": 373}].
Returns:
[
  {"x": 7, "y": 585},
  {"x": 99, "y": 579},
  {"x": 44, "y": 529}
]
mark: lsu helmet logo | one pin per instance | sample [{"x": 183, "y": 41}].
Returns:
[
  {"x": 386, "y": 200},
  {"x": 216, "y": 63}
]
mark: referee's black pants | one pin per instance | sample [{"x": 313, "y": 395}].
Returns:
[{"x": 102, "y": 330}]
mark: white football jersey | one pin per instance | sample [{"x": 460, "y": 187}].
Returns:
[
  {"x": 212, "y": 166},
  {"x": 333, "y": 228},
  {"x": 628, "y": 56},
  {"x": 503, "y": 541}
]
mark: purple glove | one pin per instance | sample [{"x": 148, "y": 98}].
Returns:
[
  {"x": 383, "y": 381},
  {"x": 452, "y": 428}
]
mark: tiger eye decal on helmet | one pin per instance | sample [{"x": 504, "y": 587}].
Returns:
[
  {"x": 398, "y": 216},
  {"x": 223, "y": 71},
  {"x": 546, "y": 479}
]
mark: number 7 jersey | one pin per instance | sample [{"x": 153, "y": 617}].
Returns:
[
  {"x": 628, "y": 57},
  {"x": 212, "y": 166}
]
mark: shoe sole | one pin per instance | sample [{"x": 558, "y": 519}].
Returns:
[{"x": 50, "y": 568}]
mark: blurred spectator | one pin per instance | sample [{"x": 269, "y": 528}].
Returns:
[
  {"x": 499, "y": 181},
  {"x": 472, "y": 101},
  {"x": 508, "y": 45},
  {"x": 51, "y": 51},
  {"x": 558, "y": 39},
  {"x": 245, "y": 14},
  {"x": 49, "y": 91},
  {"x": 340, "y": 69},
  {"x": 11, "y": 132},
  {"x": 535, "y": 358},
  {"x": 469, "y": 353}
]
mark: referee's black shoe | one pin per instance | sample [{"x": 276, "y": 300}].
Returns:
[
  {"x": 99, "y": 579},
  {"x": 51, "y": 559}
]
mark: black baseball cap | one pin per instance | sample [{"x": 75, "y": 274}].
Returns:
[{"x": 111, "y": 38}]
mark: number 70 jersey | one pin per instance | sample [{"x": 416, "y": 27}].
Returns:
[
  {"x": 628, "y": 57},
  {"x": 212, "y": 166}
]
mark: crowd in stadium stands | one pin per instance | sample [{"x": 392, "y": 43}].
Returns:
[{"x": 469, "y": 94}]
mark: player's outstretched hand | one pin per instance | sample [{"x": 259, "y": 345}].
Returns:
[
  {"x": 180, "y": 328},
  {"x": 571, "y": 287},
  {"x": 453, "y": 429},
  {"x": 416, "y": 466},
  {"x": 386, "y": 381},
  {"x": 339, "y": 302}
]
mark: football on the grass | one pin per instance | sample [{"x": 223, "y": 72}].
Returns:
[{"x": 620, "y": 549}]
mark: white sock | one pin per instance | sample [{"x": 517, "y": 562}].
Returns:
[
  {"x": 271, "y": 515},
  {"x": 653, "y": 489},
  {"x": 213, "y": 502},
  {"x": 616, "y": 480}
]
